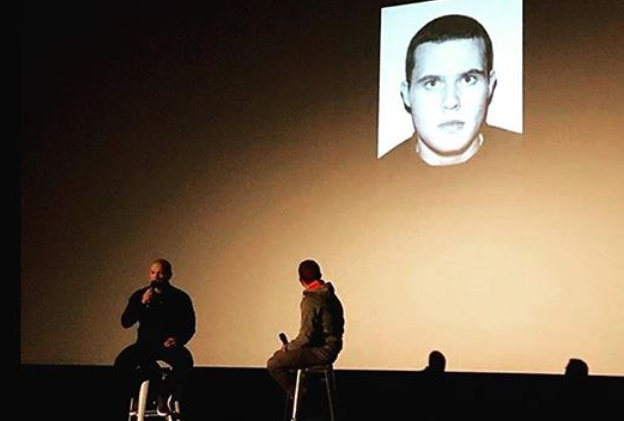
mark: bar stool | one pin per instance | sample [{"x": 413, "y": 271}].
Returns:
[
  {"x": 143, "y": 410},
  {"x": 326, "y": 373}
]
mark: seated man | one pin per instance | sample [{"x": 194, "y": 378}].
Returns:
[
  {"x": 320, "y": 336},
  {"x": 166, "y": 323}
]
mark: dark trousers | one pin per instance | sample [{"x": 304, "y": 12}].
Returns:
[
  {"x": 283, "y": 365},
  {"x": 137, "y": 362}
]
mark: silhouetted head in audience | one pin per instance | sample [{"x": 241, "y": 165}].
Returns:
[
  {"x": 576, "y": 368},
  {"x": 437, "y": 362}
]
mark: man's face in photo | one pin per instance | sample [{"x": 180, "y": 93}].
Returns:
[{"x": 449, "y": 93}]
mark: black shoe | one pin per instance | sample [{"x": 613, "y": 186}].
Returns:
[{"x": 162, "y": 406}]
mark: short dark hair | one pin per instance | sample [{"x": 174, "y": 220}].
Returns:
[
  {"x": 447, "y": 28},
  {"x": 309, "y": 271}
]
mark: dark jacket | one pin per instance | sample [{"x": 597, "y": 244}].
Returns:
[
  {"x": 322, "y": 320},
  {"x": 169, "y": 314}
]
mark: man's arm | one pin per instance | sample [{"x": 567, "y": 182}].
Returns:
[
  {"x": 187, "y": 320},
  {"x": 133, "y": 310},
  {"x": 306, "y": 330}
]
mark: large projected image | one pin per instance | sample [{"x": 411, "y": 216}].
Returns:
[
  {"x": 449, "y": 76},
  {"x": 455, "y": 201}
]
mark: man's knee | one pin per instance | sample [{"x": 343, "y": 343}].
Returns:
[
  {"x": 275, "y": 363},
  {"x": 270, "y": 365}
]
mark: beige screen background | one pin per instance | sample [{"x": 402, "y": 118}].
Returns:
[{"x": 238, "y": 144}]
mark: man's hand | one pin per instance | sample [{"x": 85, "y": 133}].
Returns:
[
  {"x": 151, "y": 293},
  {"x": 147, "y": 296},
  {"x": 170, "y": 342}
]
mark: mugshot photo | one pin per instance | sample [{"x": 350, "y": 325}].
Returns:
[{"x": 450, "y": 78}]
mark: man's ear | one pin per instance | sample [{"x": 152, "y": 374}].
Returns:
[
  {"x": 492, "y": 85},
  {"x": 405, "y": 96}
]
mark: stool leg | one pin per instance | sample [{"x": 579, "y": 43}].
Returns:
[
  {"x": 297, "y": 398},
  {"x": 142, "y": 400},
  {"x": 331, "y": 388},
  {"x": 176, "y": 408},
  {"x": 131, "y": 413}
]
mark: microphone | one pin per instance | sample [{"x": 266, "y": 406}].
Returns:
[
  {"x": 283, "y": 338},
  {"x": 156, "y": 286},
  {"x": 156, "y": 289}
]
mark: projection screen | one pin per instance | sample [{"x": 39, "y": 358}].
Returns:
[{"x": 237, "y": 140}]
